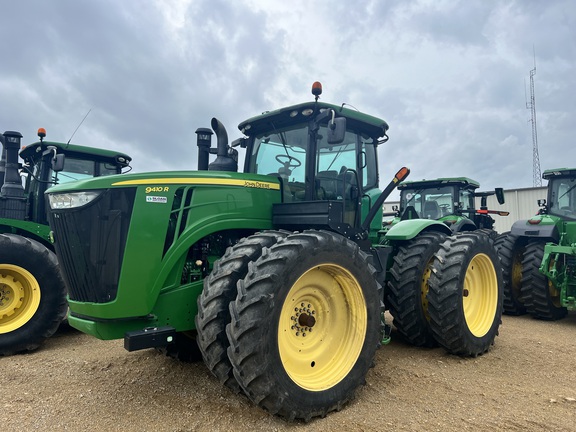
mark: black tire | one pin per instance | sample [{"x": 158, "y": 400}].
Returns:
[
  {"x": 511, "y": 251},
  {"x": 492, "y": 235},
  {"x": 541, "y": 298},
  {"x": 465, "y": 294},
  {"x": 213, "y": 304},
  {"x": 406, "y": 294},
  {"x": 305, "y": 325},
  {"x": 32, "y": 294}
]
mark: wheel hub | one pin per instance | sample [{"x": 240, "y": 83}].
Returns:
[
  {"x": 19, "y": 297},
  {"x": 11, "y": 295},
  {"x": 303, "y": 319}
]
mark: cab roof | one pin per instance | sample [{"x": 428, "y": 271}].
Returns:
[
  {"x": 294, "y": 114},
  {"x": 439, "y": 182},
  {"x": 27, "y": 152},
  {"x": 559, "y": 172}
]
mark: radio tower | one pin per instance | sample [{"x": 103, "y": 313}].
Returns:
[{"x": 537, "y": 176}]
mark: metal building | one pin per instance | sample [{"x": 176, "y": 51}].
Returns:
[{"x": 521, "y": 203}]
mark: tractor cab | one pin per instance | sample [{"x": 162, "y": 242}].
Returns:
[
  {"x": 561, "y": 193},
  {"x": 449, "y": 200},
  {"x": 325, "y": 158},
  {"x": 48, "y": 163}
]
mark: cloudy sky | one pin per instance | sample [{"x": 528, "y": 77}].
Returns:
[{"x": 450, "y": 77}]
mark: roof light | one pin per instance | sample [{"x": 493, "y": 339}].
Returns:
[{"x": 317, "y": 89}]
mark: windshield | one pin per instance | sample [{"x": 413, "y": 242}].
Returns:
[
  {"x": 78, "y": 169},
  {"x": 283, "y": 154},
  {"x": 432, "y": 203},
  {"x": 562, "y": 199}
]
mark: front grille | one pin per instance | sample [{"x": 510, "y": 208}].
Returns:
[{"x": 90, "y": 242}]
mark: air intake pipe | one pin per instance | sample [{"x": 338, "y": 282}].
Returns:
[
  {"x": 12, "y": 185},
  {"x": 204, "y": 142}
]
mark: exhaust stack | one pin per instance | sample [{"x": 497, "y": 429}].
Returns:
[{"x": 223, "y": 162}]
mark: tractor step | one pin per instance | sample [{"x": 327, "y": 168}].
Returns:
[{"x": 150, "y": 337}]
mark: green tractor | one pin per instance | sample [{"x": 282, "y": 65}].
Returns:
[
  {"x": 32, "y": 291},
  {"x": 275, "y": 275},
  {"x": 539, "y": 254},
  {"x": 448, "y": 200}
]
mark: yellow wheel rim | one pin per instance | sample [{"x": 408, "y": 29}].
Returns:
[
  {"x": 19, "y": 297},
  {"x": 516, "y": 274},
  {"x": 322, "y": 327},
  {"x": 424, "y": 288},
  {"x": 480, "y": 295}
]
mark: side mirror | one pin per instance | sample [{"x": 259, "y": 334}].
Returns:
[
  {"x": 500, "y": 195},
  {"x": 336, "y": 130},
  {"x": 58, "y": 162},
  {"x": 541, "y": 203}
]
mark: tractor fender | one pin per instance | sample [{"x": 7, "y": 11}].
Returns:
[
  {"x": 463, "y": 225},
  {"x": 522, "y": 228},
  {"x": 408, "y": 229}
]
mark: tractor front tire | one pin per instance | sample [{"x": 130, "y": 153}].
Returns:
[
  {"x": 32, "y": 294},
  {"x": 542, "y": 299},
  {"x": 465, "y": 294},
  {"x": 406, "y": 296},
  {"x": 511, "y": 252},
  {"x": 213, "y": 304},
  {"x": 305, "y": 325}
]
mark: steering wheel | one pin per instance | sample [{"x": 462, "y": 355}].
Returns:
[{"x": 288, "y": 161}]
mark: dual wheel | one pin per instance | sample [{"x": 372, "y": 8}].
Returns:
[
  {"x": 292, "y": 320},
  {"x": 32, "y": 294},
  {"x": 447, "y": 291},
  {"x": 526, "y": 289}
]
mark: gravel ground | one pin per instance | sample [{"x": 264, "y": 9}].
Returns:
[{"x": 77, "y": 383}]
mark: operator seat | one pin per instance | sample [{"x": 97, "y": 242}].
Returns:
[{"x": 431, "y": 210}]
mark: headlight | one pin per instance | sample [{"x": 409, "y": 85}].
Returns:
[{"x": 71, "y": 200}]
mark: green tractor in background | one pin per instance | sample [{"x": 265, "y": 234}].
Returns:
[
  {"x": 539, "y": 254},
  {"x": 32, "y": 291},
  {"x": 450, "y": 201},
  {"x": 275, "y": 275}
]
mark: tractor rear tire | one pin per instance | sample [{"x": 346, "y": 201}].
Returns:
[
  {"x": 305, "y": 325},
  {"x": 510, "y": 252},
  {"x": 32, "y": 294},
  {"x": 542, "y": 299},
  {"x": 406, "y": 297},
  {"x": 465, "y": 294},
  {"x": 213, "y": 304},
  {"x": 492, "y": 235}
]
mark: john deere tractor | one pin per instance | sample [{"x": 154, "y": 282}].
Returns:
[
  {"x": 32, "y": 292},
  {"x": 450, "y": 201},
  {"x": 539, "y": 254},
  {"x": 275, "y": 274}
]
